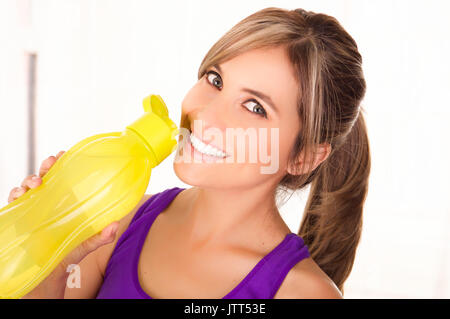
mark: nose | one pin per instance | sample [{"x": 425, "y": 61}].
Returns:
[{"x": 211, "y": 114}]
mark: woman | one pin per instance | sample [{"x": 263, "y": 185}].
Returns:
[{"x": 224, "y": 237}]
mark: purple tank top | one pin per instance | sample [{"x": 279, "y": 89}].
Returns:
[{"x": 121, "y": 274}]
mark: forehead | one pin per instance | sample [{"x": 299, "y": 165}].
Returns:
[{"x": 267, "y": 70}]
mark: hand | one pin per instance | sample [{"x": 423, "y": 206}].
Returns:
[
  {"x": 53, "y": 285},
  {"x": 33, "y": 181}
]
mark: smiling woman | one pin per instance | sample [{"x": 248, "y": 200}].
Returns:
[
  {"x": 291, "y": 73},
  {"x": 299, "y": 72},
  {"x": 295, "y": 72}
]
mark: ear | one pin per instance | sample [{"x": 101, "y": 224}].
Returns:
[{"x": 302, "y": 166}]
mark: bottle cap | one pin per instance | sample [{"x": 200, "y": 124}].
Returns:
[{"x": 156, "y": 128}]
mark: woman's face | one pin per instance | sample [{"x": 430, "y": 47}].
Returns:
[{"x": 256, "y": 131}]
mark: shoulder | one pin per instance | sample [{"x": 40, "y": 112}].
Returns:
[{"x": 307, "y": 281}]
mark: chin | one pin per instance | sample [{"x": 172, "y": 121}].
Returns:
[
  {"x": 199, "y": 170},
  {"x": 199, "y": 174},
  {"x": 185, "y": 173},
  {"x": 215, "y": 176}
]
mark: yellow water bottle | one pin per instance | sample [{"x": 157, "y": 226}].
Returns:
[{"x": 96, "y": 182}]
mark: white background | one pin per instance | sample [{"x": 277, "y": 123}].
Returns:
[{"x": 98, "y": 59}]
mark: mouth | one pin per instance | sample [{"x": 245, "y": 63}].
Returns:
[{"x": 203, "y": 148}]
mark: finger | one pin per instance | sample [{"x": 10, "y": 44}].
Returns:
[
  {"x": 106, "y": 236},
  {"x": 59, "y": 154},
  {"x": 46, "y": 165},
  {"x": 15, "y": 193},
  {"x": 31, "y": 181},
  {"x": 109, "y": 232}
]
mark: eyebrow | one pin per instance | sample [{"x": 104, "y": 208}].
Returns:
[{"x": 261, "y": 95}]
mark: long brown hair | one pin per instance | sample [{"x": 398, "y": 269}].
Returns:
[{"x": 328, "y": 68}]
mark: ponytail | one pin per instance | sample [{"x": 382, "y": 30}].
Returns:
[{"x": 332, "y": 221}]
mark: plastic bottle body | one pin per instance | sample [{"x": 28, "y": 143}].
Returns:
[{"x": 96, "y": 182}]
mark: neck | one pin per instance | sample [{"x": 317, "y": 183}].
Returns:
[{"x": 227, "y": 215}]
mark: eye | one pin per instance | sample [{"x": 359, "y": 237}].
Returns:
[
  {"x": 256, "y": 106},
  {"x": 215, "y": 78}
]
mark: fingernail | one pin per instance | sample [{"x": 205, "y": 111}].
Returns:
[
  {"x": 106, "y": 235},
  {"x": 113, "y": 230},
  {"x": 34, "y": 178}
]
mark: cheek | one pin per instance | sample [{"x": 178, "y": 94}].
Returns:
[
  {"x": 279, "y": 144},
  {"x": 288, "y": 135}
]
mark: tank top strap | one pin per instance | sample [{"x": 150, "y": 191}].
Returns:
[
  {"x": 267, "y": 276},
  {"x": 120, "y": 279},
  {"x": 147, "y": 213},
  {"x": 157, "y": 200}
]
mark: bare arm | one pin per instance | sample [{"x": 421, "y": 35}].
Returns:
[
  {"x": 92, "y": 267},
  {"x": 91, "y": 256}
]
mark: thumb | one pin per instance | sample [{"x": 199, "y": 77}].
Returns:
[{"x": 106, "y": 236}]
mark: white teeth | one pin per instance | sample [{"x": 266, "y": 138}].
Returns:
[{"x": 205, "y": 148}]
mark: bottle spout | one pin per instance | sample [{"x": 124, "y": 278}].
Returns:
[
  {"x": 154, "y": 103},
  {"x": 155, "y": 127}
]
